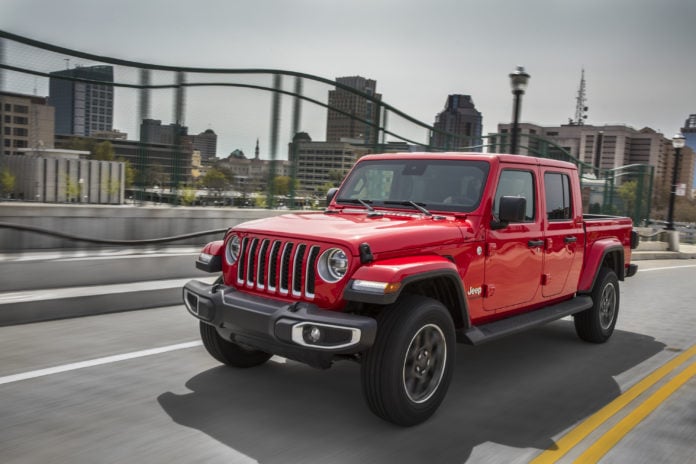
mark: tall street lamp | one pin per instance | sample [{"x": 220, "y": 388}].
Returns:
[
  {"x": 518, "y": 81},
  {"x": 678, "y": 142}
]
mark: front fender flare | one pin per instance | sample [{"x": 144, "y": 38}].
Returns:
[
  {"x": 406, "y": 271},
  {"x": 210, "y": 257}
]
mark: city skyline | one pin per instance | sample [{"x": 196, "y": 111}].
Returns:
[{"x": 634, "y": 54}]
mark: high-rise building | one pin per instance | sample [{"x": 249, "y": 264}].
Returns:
[
  {"x": 152, "y": 131},
  {"x": 463, "y": 125},
  {"x": 83, "y": 99},
  {"x": 26, "y": 121},
  {"x": 689, "y": 132},
  {"x": 345, "y": 126},
  {"x": 206, "y": 143}
]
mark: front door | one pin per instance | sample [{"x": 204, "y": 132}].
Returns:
[{"x": 514, "y": 254}]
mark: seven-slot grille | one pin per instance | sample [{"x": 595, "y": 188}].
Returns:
[{"x": 277, "y": 266}]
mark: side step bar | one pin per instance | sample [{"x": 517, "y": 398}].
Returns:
[{"x": 498, "y": 329}]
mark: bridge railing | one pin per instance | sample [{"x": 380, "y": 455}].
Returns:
[{"x": 243, "y": 105}]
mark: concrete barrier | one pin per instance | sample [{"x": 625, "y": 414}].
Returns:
[{"x": 125, "y": 222}]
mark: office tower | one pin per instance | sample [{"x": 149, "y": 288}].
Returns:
[
  {"x": 462, "y": 123},
  {"x": 344, "y": 126},
  {"x": 206, "y": 143},
  {"x": 83, "y": 99}
]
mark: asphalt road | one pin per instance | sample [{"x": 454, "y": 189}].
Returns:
[{"x": 137, "y": 387}]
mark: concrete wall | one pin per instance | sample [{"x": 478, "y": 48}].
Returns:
[
  {"x": 114, "y": 222},
  {"x": 46, "y": 179}
]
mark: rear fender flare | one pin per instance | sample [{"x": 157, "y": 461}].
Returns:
[{"x": 595, "y": 256}]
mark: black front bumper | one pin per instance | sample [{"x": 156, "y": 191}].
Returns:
[{"x": 297, "y": 330}]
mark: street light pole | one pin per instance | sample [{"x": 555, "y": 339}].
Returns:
[
  {"x": 518, "y": 81},
  {"x": 678, "y": 143}
]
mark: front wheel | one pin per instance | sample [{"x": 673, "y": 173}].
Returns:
[
  {"x": 228, "y": 352},
  {"x": 406, "y": 373},
  {"x": 596, "y": 324}
]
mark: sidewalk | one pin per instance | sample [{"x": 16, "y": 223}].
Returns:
[{"x": 657, "y": 250}]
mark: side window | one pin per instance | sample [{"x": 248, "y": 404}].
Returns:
[
  {"x": 558, "y": 202},
  {"x": 513, "y": 183}
]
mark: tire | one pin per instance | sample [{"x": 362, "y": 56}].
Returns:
[
  {"x": 406, "y": 373},
  {"x": 228, "y": 352},
  {"x": 596, "y": 324}
]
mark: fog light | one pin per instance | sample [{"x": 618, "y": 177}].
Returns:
[
  {"x": 312, "y": 334},
  {"x": 322, "y": 336}
]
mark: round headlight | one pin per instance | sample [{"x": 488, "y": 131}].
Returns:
[
  {"x": 332, "y": 265},
  {"x": 232, "y": 249}
]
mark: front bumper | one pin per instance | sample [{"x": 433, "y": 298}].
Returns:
[{"x": 297, "y": 330}]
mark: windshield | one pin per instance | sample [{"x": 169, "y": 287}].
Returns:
[{"x": 442, "y": 185}]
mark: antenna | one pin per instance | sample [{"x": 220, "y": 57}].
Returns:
[{"x": 580, "y": 108}]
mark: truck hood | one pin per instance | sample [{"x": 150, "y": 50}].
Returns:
[{"x": 384, "y": 233}]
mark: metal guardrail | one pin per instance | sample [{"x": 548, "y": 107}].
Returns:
[
  {"x": 685, "y": 235},
  {"x": 151, "y": 241}
]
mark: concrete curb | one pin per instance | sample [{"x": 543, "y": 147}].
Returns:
[
  {"x": 652, "y": 255},
  {"x": 43, "y": 305}
]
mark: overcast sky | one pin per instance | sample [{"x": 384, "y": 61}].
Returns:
[{"x": 638, "y": 55}]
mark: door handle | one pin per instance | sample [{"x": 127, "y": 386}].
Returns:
[
  {"x": 535, "y": 243},
  {"x": 570, "y": 239}
]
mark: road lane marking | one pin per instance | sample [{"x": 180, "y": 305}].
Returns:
[
  {"x": 96, "y": 362},
  {"x": 602, "y": 446},
  {"x": 580, "y": 432},
  {"x": 108, "y": 360},
  {"x": 666, "y": 268}
]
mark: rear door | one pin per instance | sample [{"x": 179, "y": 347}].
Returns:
[{"x": 563, "y": 232}]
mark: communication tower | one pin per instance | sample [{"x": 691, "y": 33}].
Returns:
[{"x": 580, "y": 100}]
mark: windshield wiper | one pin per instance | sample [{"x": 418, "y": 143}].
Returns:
[
  {"x": 410, "y": 203},
  {"x": 365, "y": 203}
]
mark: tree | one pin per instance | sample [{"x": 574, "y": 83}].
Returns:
[
  {"x": 73, "y": 190},
  {"x": 336, "y": 177},
  {"x": 281, "y": 185},
  {"x": 80, "y": 143},
  {"x": 627, "y": 193},
  {"x": 103, "y": 151},
  {"x": 111, "y": 187},
  {"x": 227, "y": 172},
  {"x": 323, "y": 190},
  {"x": 214, "y": 179},
  {"x": 130, "y": 173},
  {"x": 684, "y": 210},
  {"x": 188, "y": 195},
  {"x": 7, "y": 181}
]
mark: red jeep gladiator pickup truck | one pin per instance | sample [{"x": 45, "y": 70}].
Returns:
[{"x": 414, "y": 253}]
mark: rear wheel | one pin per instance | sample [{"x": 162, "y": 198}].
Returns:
[
  {"x": 406, "y": 373},
  {"x": 597, "y": 323},
  {"x": 228, "y": 352}
]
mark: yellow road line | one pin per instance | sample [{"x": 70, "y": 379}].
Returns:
[
  {"x": 589, "y": 425},
  {"x": 613, "y": 436}
]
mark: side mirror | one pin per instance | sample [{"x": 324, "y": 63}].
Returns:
[
  {"x": 330, "y": 195},
  {"x": 511, "y": 209}
]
